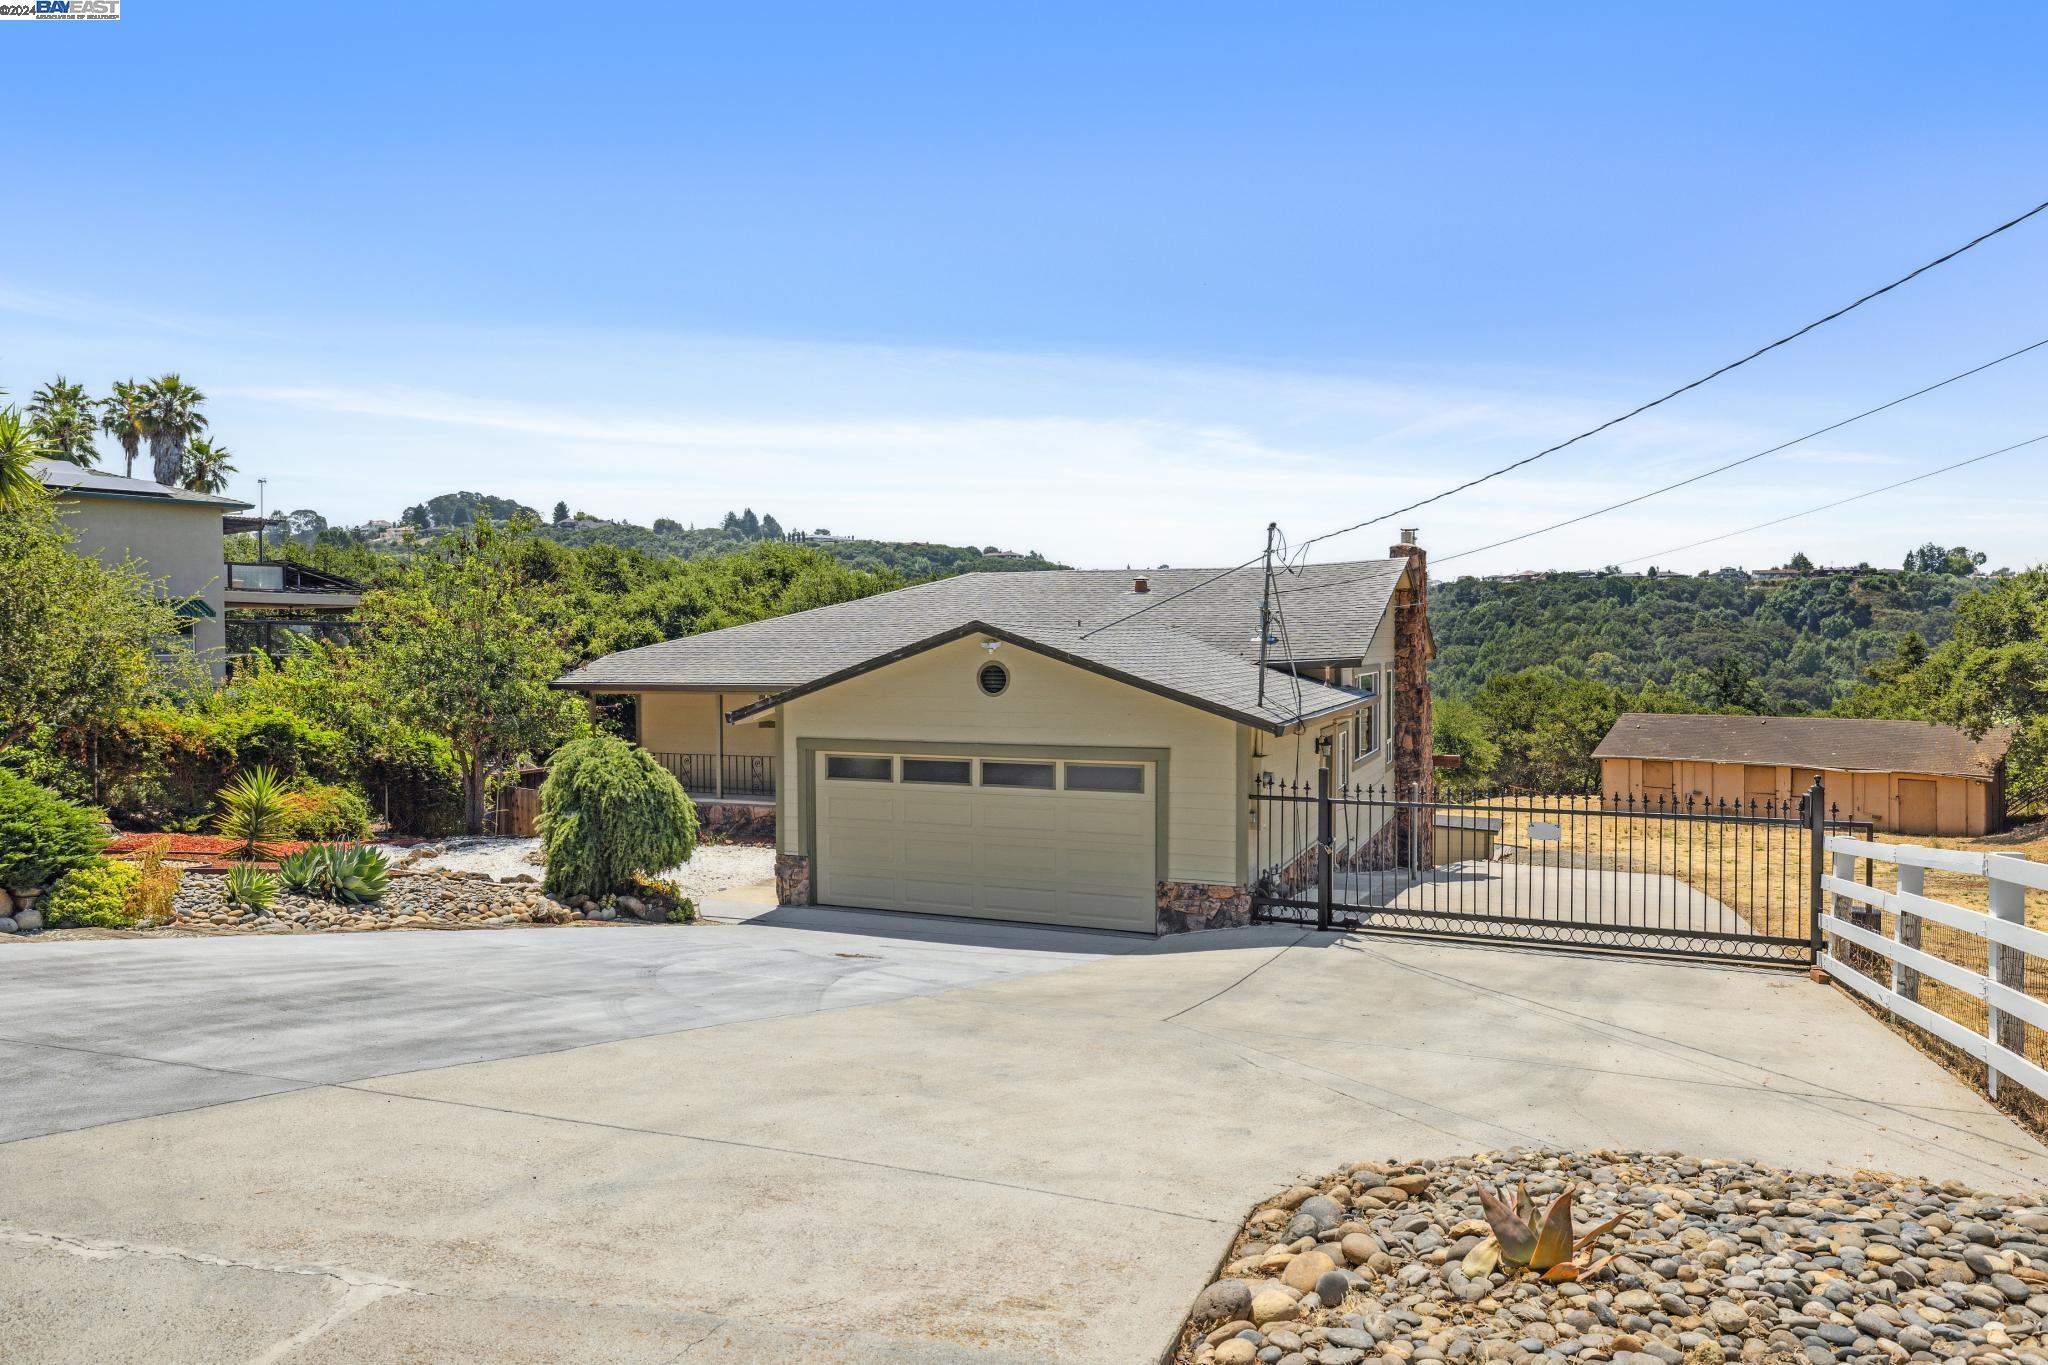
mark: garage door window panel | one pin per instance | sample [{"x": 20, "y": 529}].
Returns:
[
  {"x": 859, "y": 768},
  {"x": 1106, "y": 777},
  {"x": 952, "y": 772},
  {"x": 1030, "y": 776}
]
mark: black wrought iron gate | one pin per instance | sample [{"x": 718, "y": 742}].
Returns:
[{"x": 1727, "y": 880}]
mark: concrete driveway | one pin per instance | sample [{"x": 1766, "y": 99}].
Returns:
[{"x": 826, "y": 1136}]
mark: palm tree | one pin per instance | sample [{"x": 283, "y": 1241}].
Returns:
[
  {"x": 171, "y": 417},
  {"x": 58, "y": 393},
  {"x": 207, "y": 467},
  {"x": 18, "y": 446},
  {"x": 121, "y": 418},
  {"x": 66, "y": 433}
]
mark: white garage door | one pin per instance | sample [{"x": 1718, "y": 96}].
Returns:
[{"x": 1054, "y": 841}]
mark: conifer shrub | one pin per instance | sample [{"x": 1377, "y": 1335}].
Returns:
[
  {"x": 609, "y": 812},
  {"x": 99, "y": 895},
  {"x": 42, "y": 836}
]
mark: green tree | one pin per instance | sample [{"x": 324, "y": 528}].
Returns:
[
  {"x": 608, "y": 811},
  {"x": 458, "y": 643},
  {"x": 1959, "y": 561},
  {"x": 123, "y": 417},
  {"x": 561, "y": 513},
  {"x": 1729, "y": 684},
  {"x": 64, "y": 419},
  {"x": 1800, "y": 562},
  {"x": 1992, "y": 672},
  {"x": 207, "y": 466},
  {"x": 750, "y": 525},
  {"x": 79, "y": 640},
  {"x": 18, "y": 446},
  {"x": 771, "y": 529},
  {"x": 171, "y": 417},
  {"x": 1460, "y": 729}
]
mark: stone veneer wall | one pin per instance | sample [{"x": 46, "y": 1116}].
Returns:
[
  {"x": 1413, "y": 718},
  {"x": 1184, "y": 907},
  {"x": 793, "y": 879},
  {"x": 744, "y": 821}
]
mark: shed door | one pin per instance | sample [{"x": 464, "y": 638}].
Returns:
[
  {"x": 1658, "y": 780},
  {"x": 1051, "y": 841},
  {"x": 1917, "y": 806}
]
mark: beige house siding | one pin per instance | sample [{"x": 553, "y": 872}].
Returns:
[
  {"x": 690, "y": 722},
  {"x": 933, "y": 699},
  {"x": 1962, "y": 806},
  {"x": 179, "y": 542}
]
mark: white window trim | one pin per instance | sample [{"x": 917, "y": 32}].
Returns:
[{"x": 1379, "y": 737}]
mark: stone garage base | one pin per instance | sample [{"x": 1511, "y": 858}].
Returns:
[{"x": 1185, "y": 907}]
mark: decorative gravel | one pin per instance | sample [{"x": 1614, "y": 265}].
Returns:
[
  {"x": 711, "y": 869},
  {"x": 1713, "y": 1261}
]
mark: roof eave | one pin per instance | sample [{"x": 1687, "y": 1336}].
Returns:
[{"x": 901, "y": 652}]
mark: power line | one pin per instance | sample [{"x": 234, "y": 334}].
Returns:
[
  {"x": 1686, "y": 388},
  {"x": 1735, "y": 464},
  {"x": 1593, "y": 431},
  {"x": 1840, "y": 502}
]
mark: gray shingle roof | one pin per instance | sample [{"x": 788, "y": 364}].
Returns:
[
  {"x": 1836, "y": 744},
  {"x": 60, "y": 477},
  {"x": 1201, "y": 648}
]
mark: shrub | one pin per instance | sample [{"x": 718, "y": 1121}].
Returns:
[
  {"x": 608, "y": 811},
  {"x": 156, "y": 886},
  {"x": 99, "y": 895},
  {"x": 252, "y": 811},
  {"x": 416, "y": 777},
  {"x": 663, "y": 895},
  {"x": 282, "y": 741},
  {"x": 321, "y": 810},
  {"x": 347, "y": 873},
  {"x": 42, "y": 836},
  {"x": 250, "y": 887}
]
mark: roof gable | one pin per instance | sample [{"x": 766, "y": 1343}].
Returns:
[{"x": 1178, "y": 668}]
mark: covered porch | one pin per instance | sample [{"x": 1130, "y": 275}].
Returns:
[{"x": 687, "y": 733}]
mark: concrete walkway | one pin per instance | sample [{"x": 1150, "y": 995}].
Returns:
[{"x": 1015, "y": 1154}]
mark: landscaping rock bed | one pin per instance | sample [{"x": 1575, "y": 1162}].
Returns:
[
  {"x": 443, "y": 900},
  {"x": 1713, "y": 1261}
]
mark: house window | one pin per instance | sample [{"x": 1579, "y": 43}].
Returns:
[
  {"x": 993, "y": 679},
  {"x": 957, "y": 772},
  {"x": 1365, "y": 721},
  {"x": 1105, "y": 777},
  {"x": 1036, "y": 775},
  {"x": 859, "y": 768}
]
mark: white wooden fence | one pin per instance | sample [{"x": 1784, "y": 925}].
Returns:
[{"x": 2008, "y": 942}]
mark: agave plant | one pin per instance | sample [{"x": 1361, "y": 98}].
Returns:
[
  {"x": 1524, "y": 1239},
  {"x": 252, "y": 811},
  {"x": 250, "y": 887},
  {"x": 348, "y": 873}
]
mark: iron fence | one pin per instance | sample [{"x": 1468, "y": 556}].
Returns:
[
  {"x": 722, "y": 774},
  {"x": 1720, "y": 879}
]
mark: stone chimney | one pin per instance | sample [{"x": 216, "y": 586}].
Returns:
[{"x": 1412, "y": 714}]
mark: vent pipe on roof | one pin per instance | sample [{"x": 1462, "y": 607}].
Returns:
[{"x": 1141, "y": 585}]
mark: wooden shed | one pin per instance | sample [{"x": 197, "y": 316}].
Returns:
[{"x": 1908, "y": 776}]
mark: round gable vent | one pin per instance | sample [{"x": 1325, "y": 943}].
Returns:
[{"x": 993, "y": 679}]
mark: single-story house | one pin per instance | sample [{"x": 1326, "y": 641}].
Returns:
[
  {"x": 1006, "y": 745},
  {"x": 1907, "y": 776}
]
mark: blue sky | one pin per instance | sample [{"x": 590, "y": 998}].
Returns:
[{"x": 1117, "y": 283}]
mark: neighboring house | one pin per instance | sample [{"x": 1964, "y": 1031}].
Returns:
[
  {"x": 990, "y": 745},
  {"x": 1907, "y": 776},
  {"x": 176, "y": 535}
]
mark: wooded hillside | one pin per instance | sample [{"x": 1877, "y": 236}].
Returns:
[{"x": 1805, "y": 641}]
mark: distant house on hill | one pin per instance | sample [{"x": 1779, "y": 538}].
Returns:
[{"x": 1907, "y": 776}]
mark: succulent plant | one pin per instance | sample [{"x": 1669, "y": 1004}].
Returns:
[
  {"x": 250, "y": 887},
  {"x": 1525, "y": 1239},
  {"x": 348, "y": 873}
]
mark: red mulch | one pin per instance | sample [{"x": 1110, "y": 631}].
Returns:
[{"x": 211, "y": 849}]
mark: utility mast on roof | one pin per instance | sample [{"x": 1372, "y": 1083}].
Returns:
[{"x": 1265, "y": 609}]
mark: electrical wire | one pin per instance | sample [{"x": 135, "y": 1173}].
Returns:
[
  {"x": 1732, "y": 464},
  {"x": 1840, "y": 502},
  {"x": 1592, "y": 431}
]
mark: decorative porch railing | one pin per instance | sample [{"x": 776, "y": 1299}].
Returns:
[{"x": 712, "y": 775}]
